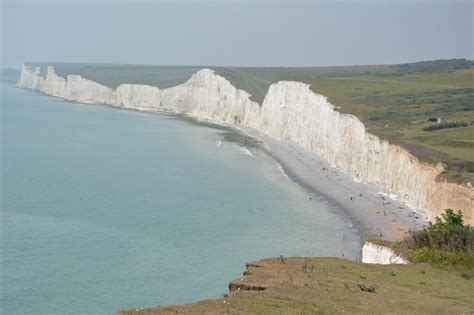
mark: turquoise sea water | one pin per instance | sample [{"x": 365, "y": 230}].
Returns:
[{"x": 105, "y": 209}]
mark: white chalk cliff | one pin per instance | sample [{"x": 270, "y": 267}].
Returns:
[
  {"x": 383, "y": 255},
  {"x": 290, "y": 111}
]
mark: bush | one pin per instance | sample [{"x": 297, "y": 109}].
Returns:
[
  {"x": 447, "y": 241},
  {"x": 445, "y": 126},
  {"x": 448, "y": 233}
]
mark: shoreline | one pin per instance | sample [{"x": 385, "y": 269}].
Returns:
[
  {"x": 373, "y": 215},
  {"x": 370, "y": 209}
]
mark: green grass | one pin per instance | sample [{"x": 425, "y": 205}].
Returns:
[
  {"x": 443, "y": 258},
  {"x": 432, "y": 66}
]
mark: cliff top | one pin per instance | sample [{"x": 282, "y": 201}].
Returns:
[{"x": 301, "y": 285}]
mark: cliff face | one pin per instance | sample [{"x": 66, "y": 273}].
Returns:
[
  {"x": 378, "y": 254},
  {"x": 290, "y": 111},
  {"x": 30, "y": 78},
  {"x": 138, "y": 96},
  {"x": 209, "y": 96}
]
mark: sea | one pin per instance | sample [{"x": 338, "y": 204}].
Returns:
[{"x": 105, "y": 209}]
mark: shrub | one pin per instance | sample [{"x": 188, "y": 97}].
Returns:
[
  {"x": 446, "y": 242},
  {"x": 445, "y": 126},
  {"x": 448, "y": 233}
]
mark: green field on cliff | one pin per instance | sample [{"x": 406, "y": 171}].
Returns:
[
  {"x": 395, "y": 102},
  {"x": 300, "y": 285}
]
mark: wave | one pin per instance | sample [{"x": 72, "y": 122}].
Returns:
[{"x": 245, "y": 151}]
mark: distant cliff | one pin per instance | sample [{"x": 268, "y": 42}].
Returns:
[{"x": 291, "y": 111}]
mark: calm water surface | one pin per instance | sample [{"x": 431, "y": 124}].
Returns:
[{"x": 105, "y": 209}]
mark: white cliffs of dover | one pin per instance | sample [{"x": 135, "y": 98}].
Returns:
[{"x": 290, "y": 111}]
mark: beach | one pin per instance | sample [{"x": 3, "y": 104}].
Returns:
[{"x": 374, "y": 212}]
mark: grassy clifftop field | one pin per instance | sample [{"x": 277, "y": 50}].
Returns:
[
  {"x": 299, "y": 285},
  {"x": 427, "y": 107}
]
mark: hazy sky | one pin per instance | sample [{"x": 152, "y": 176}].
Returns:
[{"x": 245, "y": 33}]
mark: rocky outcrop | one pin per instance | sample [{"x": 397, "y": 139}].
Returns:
[
  {"x": 240, "y": 286},
  {"x": 290, "y": 111},
  {"x": 379, "y": 254}
]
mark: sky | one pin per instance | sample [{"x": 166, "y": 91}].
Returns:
[{"x": 235, "y": 33}]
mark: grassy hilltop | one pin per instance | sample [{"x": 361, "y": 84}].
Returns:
[{"x": 395, "y": 102}]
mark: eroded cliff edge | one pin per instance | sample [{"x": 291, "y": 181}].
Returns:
[{"x": 290, "y": 111}]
